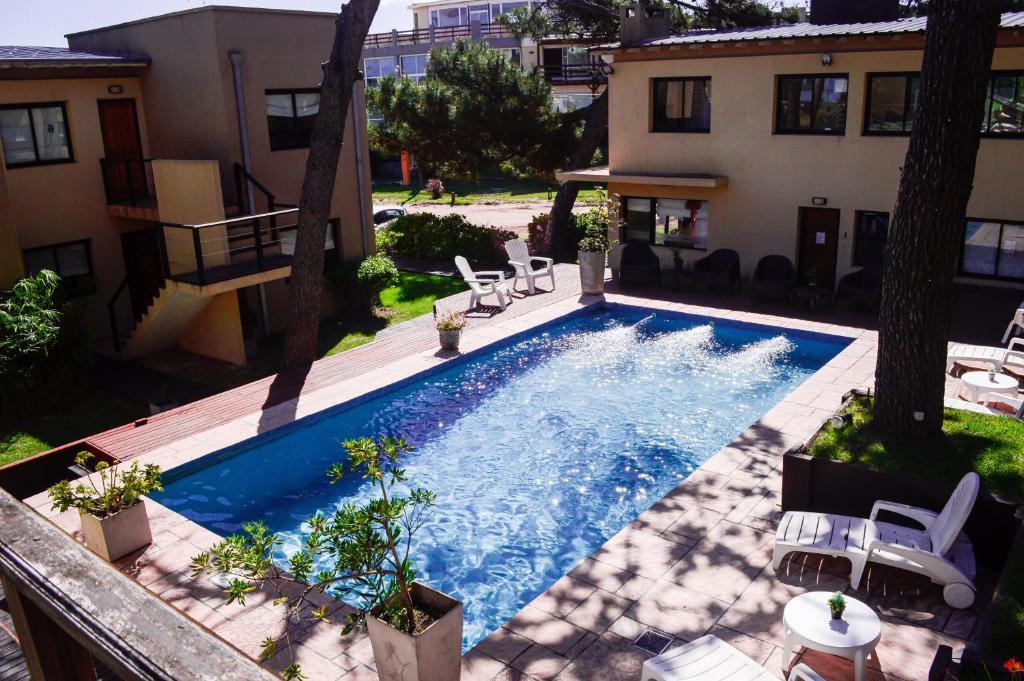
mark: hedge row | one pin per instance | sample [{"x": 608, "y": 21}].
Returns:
[{"x": 431, "y": 237}]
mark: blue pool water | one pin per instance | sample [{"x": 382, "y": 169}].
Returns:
[{"x": 538, "y": 451}]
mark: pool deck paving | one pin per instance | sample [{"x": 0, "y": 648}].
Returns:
[{"x": 698, "y": 561}]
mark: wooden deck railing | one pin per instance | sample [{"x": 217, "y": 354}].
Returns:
[{"x": 70, "y": 609}]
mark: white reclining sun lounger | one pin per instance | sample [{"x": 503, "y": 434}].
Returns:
[
  {"x": 480, "y": 285},
  {"x": 941, "y": 551},
  {"x": 986, "y": 354},
  {"x": 709, "y": 658}
]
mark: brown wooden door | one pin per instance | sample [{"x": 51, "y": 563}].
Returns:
[
  {"x": 819, "y": 244},
  {"x": 122, "y": 150}
]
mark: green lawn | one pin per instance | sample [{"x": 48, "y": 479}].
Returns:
[
  {"x": 991, "y": 445},
  {"x": 490, "y": 191},
  {"x": 414, "y": 296},
  {"x": 55, "y": 424}
]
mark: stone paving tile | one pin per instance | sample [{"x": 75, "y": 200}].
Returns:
[
  {"x": 695, "y": 523},
  {"x": 610, "y": 658},
  {"x": 563, "y": 596},
  {"x": 602, "y": 575},
  {"x": 598, "y": 611},
  {"x": 541, "y": 628},
  {"x": 636, "y": 587},
  {"x": 503, "y": 645},
  {"x": 314, "y": 666},
  {"x": 641, "y": 552},
  {"x": 676, "y": 610},
  {"x": 540, "y": 663},
  {"x": 476, "y": 666}
]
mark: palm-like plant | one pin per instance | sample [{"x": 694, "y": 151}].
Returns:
[{"x": 359, "y": 551}]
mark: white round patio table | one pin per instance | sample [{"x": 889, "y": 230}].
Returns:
[
  {"x": 979, "y": 382},
  {"x": 808, "y": 622}
]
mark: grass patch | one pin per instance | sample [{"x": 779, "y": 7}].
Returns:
[
  {"x": 482, "y": 191},
  {"x": 91, "y": 411},
  {"x": 991, "y": 445},
  {"x": 412, "y": 297}
]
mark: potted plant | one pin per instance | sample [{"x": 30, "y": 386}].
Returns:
[
  {"x": 592, "y": 249},
  {"x": 837, "y": 604},
  {"x": 114, "y": 519},
  {"x": 361, "y": 552},
  {"x": 449, "y": 330}
]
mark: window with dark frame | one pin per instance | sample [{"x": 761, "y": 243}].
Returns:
[
  {"x": 72, "y": 261},
  {"x": 891, "y": 101},
  {"x": 290, "y": 117},
  {"x": 870, "y": 232},
  {"x": 811, "y": 104},
  {"x": 674, "y": 223},
  {"x": 35, "y": 134},
  {"x": 681, "y": 104},
  {"x": 1004, "y": 105},
  {"x": 993, "y": 249}
]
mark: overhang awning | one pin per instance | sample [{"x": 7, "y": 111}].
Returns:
[{"x": 601, "y": 175}]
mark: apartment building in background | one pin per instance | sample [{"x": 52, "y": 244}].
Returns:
[
  {"x": 156, "y": 165},
  {"x": 576, "y": 77},
  {"x": 789, "y": 140}
]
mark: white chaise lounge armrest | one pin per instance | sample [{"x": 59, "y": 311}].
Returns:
[
  {"x": 921, "y": 515},
  {"x": 546, "y": 261},
  {"x": 483, "y": 282},
  {"x": 1014, "y": 342},
  {"x": 802, "y": 672},
  {"x": 491, "y": 273}
]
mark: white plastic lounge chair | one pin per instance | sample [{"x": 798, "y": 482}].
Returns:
[
  {"x": 709, "y": 658},
  {"x": 483, "y": 284},
  {"x": 519, "y": 257},
  {"x": 1016, "y": 404},
  {"x": 941, "y": 551},
  {"x": 985, "y": 354},
  {"x": 1017, "y": 322}
]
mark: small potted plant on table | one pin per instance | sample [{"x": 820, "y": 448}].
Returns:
[
  {"x": 362, "y": 552},
  {"x": 114, "y": 519},
  {"x": 837, "y": 605},
  {"x": 449, "y": 330}
]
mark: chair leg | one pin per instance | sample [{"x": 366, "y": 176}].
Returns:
[
  {"x": 501, "y": 299},
  {"x": 530, "y": 284},
  {"x": 857, "y": 570},
  {"x": 474, "y": 300},
  {"x": 552, "y": 275}
]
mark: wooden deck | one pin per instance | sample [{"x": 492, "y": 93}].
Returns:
[{"x": 129, "y": 441}]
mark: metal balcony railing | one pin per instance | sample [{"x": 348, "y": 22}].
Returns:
[
  {"x": 128, "y": 182},
  {"x": 434, "y": 34},
  {"x": 573, "y": 73}
]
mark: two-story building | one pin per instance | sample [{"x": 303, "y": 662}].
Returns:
[
  {"x": 575, "y": 75},
  {"x": 789, "y": 140},
  {"x": 155, "y": 165}
]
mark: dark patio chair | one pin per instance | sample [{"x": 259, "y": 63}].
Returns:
[
  {"x": 773, "y": 277},
  {"x": 861, "y": 287},
  {"x": 639, "y": 265},
  {"x": 720, "y": 269}
]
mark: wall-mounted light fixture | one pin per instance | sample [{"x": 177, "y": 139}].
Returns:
[
  {"x": 115, "y": 89},
  {"x": 819, "y": 200},
  {"x": 826, "y": 59}
]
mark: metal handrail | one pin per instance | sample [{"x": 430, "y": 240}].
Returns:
[
  {"x": 436, "y": 34},
  {"x": 573, "y": 72}
]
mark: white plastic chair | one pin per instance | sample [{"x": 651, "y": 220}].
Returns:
[
  {"x": 709, "y": 658},
  {"x": 519, "y": 257},
  {"x": 941, "y": 551},
  {"x": 1017, "y": 322},
  {"x": 1014, "y": 403},
  {"x": 484, "y": 283},
  {"x": 986, "y": 354}
]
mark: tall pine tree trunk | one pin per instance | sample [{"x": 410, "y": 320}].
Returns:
[
  {"x": 927, "y": 226},
  {"x": 340, "y": 74},
  {"x": 556, "y": 237}
]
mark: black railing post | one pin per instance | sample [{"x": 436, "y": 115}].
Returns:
[
  {"x": 161, "y": 244},
  {"x": 105, "y": 170},
  {"x": 198, "y": 245},
  {"x": 271, "y": 208},
  {"x": 258, "y": 241},
  {"x": 243, "y": 203}
]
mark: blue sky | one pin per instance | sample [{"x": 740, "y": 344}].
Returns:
[{"x": 38, "y": 23}]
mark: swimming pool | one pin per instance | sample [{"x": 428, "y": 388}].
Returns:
[{"x": 539, "y": 450}]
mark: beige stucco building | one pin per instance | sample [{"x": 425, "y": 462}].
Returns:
[
  {"x": 135, "y": 158},
  {"x": 789, "y": 140}
]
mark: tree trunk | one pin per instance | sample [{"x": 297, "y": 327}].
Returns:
[
  {"x": 927, "y": 225},
  {"x": 340, "y": 74},
  {"x": 556, "y": 237}
]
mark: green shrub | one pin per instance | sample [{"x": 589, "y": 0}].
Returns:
[
  {"x": 386, "y": 239},
  {"x": 591, "y": 230},
  {"x": 357, "y": 284},
  {"x": 42, "y": 341},
  {"x": 431, "y": 237}
]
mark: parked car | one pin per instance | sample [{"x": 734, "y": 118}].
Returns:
[{"x": 383, "y": 215}]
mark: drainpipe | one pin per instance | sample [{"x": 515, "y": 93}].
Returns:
[
  {"x": 358, "y": 125},
  {"x": 243, "y": 133}
]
